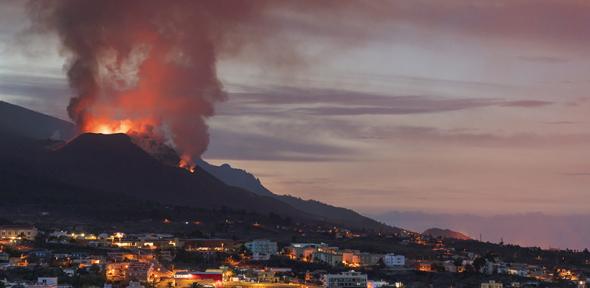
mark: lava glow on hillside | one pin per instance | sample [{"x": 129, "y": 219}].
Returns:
[
  {"x": 143, "y": 128},
  {"x": 106, "y": 126}
]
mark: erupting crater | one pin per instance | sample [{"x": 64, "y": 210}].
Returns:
[{"x": 137, "y": 130}]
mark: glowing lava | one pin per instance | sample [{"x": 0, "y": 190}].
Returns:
[
  {"x": 108, "y": 126},
  {"x": 142, "y": 128},
  {"x": 187, "y": 164}
]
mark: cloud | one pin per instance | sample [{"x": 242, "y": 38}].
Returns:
[
  {"x": 227, "y": 144},
  {"x": 544, "y": 59},
  {"x": 526, "y": 103},
  {"x": 565, "y": 23},
  {"x": 576, "y": 174},
  {"x": 33, "y": 85},
  {"x": 557, "y": 22},
  {"x": 334, "y": 102},
  {"x": 436, "y": 136},
  {"x": 563, "y": 122},
  {"x": 41, "y": 93}
]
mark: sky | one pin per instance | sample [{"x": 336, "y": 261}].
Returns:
[{"x": 452, "y": 106}]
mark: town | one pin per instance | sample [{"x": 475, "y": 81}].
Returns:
[{"x": 48, "y": 258}]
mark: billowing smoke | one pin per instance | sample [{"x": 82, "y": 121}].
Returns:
[{"x": 146, "y": 66}]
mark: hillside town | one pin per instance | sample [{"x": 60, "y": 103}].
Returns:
[{"x": 35, "y": 258}]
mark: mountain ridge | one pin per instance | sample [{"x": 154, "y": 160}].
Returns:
[
  {"x": 243, "y": 179},
  {"x": 29, "y": 123},
  {"x": 445, "y": 234},
  {"x": 115, "y": 164}
]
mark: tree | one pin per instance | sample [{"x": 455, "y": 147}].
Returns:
[{"x": 478, "y": 263}]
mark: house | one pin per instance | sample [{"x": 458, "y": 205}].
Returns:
[
  {"x": 302, "y": 251},
  {"x": 14, "y": 232},
  {"x": 391, "y": 260},
  {"x": 350, "y": 279},
  {"x": 116, "y": 272},
  {"x": 331, "y": 258},
  {"x": 369, "y": 259},
  {"x": 262, "y": 249},
  {"x": 355, "y": 258},
  {"x": 424, "y": 266},
  {"x": 450, "y": 267},
  {"x": 351, "y": 258},
  {"x": 518, "y": 269},
  {"x": 206, "y": 245},
  {"x": 138, "y": 271},
  {"x": 71, "y": 272}
]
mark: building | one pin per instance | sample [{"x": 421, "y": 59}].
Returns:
[
  {"x": 262, "y": 249},
  {"x": 355, "y": 258},
  {"x": 491, "y": 284},
  {"x": 424, "y": 266},
  {"x": 391, "y": 260},
  {"x": 351, "y": 258},
  {"x": 44, "y": 282},
  {"x": 328, "y": 257},
  {"x": 206, "y": 245},
  {"x": 518, "y": 269},
  {"x": 369, "y": 259},
  {"x": 25, "y": 232},
  {"x": 116, "y": 272},
  {"x": 4, "y": 257},
  {"x": 138, "y": 271},
  {"x": 302, "y": 251},
  {"x": 350, "y": 279}
]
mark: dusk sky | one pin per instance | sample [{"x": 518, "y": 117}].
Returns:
[{"x": 440, "y": 106}]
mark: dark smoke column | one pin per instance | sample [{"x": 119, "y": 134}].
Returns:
[{"x": 145, "y": 66}]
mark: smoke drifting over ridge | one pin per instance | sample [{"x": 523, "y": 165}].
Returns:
[{"x": 146, "y": 66}]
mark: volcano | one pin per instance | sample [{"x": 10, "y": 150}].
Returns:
[
  {"x": 114, "y": 164},
  {"x": 112, "y": 168}
]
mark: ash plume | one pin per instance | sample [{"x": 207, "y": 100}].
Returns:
[
  {"x": 148, "y": 67},
  {"x": 145, "y": 66}
]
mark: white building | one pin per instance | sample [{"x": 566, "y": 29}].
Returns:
[
  {"x": 518, "y": 269},
  {"x": 18, "y": 232},
  {"x": 350, "y": 279},
  {"x": 392, "y": 260},
  {"x": 262, "y": 249}
]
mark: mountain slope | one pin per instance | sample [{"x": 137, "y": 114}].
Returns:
[
  {"x": 111, "y": 167},
  {"x": 445, "y": 234},
  {"x": 25, "y": 122},
  {"x": 236, "y": 177},
  {"x": 114, "y": 166},
  {"x": 113, "y": 163},
  {"x": 243, "y": 179}
]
